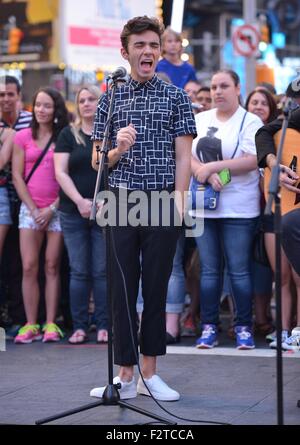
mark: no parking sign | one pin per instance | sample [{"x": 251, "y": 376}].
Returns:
[{"x": 245, "y": 40}]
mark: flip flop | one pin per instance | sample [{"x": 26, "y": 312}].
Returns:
[{"x": 78, "y": 337}]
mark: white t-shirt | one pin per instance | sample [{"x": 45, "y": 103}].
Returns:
[{"x": 217, "y": 140}]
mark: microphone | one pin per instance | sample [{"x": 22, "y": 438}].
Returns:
[{"x": 118, "y": 73}]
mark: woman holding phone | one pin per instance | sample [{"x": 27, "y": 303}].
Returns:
[{"x": 226, "y": 141}]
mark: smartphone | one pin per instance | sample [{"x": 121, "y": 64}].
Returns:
[{"x": 225, "y": 176}]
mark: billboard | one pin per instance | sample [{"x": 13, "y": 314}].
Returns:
[
  {"x": 91, "y": 30},
  {"x": 21, "y": 39}
]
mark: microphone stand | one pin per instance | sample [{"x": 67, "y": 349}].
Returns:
[
  {"x": 111, "y": 394},
  {"x": 274, "y": 195}
]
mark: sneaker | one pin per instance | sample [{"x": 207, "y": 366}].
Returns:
[
  {"x": 284, "y": 337},
  {"x": 244, "y": 338},
  {"x": 12, "y": 331},
  {"x": 127, "y": 390},
  {"x": 28, "y": 334},
  {"x": 208, "y": 338},
  {"x": 271, "y": 337},
  {"x": 188, "y": 328},
  {"x": 292, "y": 343},
  {"x": 159, "y": 389},
  {"x": 52, "y": 333}
]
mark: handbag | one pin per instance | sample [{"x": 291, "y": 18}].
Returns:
[
  {"x": 259, "y": 249},
  {"x": 14, "y": 200},
  {"x": 211, "y": 197}
]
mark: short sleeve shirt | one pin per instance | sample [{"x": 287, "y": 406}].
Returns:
[
  {"x": 23, "y": 121},
  {"x": 180, "y": 75},
  {"x": 79, "y": 167},
  {"x": 42, "y": 187},
  {"x": 160, "y": 113}
]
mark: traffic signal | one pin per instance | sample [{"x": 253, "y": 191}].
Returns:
[{"x": 15, "y": 36}]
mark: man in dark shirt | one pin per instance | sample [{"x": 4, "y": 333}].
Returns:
[{"x": 152, "y": 130}]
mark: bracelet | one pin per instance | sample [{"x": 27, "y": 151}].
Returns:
[{"x": 53, "y": 208}]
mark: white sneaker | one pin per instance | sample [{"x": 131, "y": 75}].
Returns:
[
  {"x": 127, "y": 390},
  {"x": 284, "y": 336},
  {"x": 159, "y": 389},
  {"x": 292, "y": 343}
]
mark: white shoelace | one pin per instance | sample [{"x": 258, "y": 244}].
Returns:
[
  {"x": 293, "y": 340},
  {"x": 207, "y": 332},
  {"x": 244, "y": 335}
]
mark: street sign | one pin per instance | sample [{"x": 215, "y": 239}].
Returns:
[{"x": 245, "y": 40}]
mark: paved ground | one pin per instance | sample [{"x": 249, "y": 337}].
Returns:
[{"x": 221, "y": 385}]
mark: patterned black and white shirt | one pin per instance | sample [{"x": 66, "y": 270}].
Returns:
[{"x": 160, "y": 112}]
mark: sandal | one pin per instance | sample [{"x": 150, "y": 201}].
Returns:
[
  {"x": 231, "y": 332},
  {"x": 78, "y": 337},
  {"x": 102, "y": 336},
  {"x": 263, "y": 328},
  {"x": 171, "y": 339}
]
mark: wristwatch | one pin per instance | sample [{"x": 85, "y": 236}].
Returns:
[{"x": 53, "y": 208}]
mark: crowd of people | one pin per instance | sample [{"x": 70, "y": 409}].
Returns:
[{"x": 167, "y": 127}]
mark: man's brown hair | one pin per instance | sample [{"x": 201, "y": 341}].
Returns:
[{"x": 137, "y": 25}]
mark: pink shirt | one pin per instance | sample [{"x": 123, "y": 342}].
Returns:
[{"x": 43, "y": 187}]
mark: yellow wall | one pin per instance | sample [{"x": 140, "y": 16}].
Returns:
[{"x": 39, "y": 11}]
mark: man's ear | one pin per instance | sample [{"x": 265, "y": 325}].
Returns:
[{"x": 124, "y": 53}]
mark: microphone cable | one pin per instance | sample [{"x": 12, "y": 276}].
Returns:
[{"x": 134, "y": 348}]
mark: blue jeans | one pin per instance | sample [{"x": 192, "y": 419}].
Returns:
[
  {"x": 176, "y": 286},
  {"x": 231, "y": 238},
  {"x": 86, "y": 250}
]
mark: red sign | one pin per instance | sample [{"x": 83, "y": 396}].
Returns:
[
  {"x": 245, "y": 40},
  {"x": 94, "y": 37}
]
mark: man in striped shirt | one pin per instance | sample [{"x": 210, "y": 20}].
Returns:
[{"x": 10, "y": 97}]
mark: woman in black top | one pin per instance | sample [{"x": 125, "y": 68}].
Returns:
[
  {"x": 266, "y": 154},
  {"x": 262, "y": 103},
  {"x": 84, "y": 242}
]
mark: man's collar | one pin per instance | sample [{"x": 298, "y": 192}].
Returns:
[
  {"x": 151, "y": 84},
  {"x": 7, "y": 123}
]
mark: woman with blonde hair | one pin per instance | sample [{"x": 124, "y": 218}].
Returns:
[{"x": 84, "y": 241}]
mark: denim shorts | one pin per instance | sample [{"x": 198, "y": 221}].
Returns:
[
  {"x": 26, "y": 221},
  {"x": 5, "y": 217}
]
